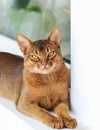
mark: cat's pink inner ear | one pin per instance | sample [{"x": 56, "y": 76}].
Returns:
[
  {"x": 55, "y": 35},
  {"x": 23, "y": 42}
]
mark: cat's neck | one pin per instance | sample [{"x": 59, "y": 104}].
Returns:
[{"x": 45, "y": 79}]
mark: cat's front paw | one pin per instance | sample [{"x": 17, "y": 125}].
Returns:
[
  {"x": 56, "y": 123},
  {"x": 70, "y": 123}
]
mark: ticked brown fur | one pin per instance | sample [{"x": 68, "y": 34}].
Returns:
[{"x": 39, "y": 82}]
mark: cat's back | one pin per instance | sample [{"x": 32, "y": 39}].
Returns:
[
  {"x": 9, "y": 59},
  {"x": 11, "y": 71},
  {"x": 10, "y": 65}
]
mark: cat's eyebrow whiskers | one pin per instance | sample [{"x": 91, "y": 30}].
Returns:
[
  {"x": 47, "y": 49},
  {"x": 36, "y": 51}
]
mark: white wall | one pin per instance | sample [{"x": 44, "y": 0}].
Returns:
[{"x": 85, "y": 55}]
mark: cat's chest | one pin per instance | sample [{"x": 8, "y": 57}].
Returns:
[
  {"x": 48, "y": 101},
  {"x": 47, "y": 97}
]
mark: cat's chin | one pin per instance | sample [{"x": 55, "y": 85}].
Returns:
[{"x": 39, "y": 71}]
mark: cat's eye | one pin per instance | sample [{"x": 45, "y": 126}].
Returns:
[
  {"x": 51, "y": 54},
  {"x": 34, "y": 57}
]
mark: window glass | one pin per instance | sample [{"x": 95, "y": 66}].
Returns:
[{"x": 35, "y": 19}]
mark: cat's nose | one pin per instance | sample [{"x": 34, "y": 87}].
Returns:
[{"x": 44, "y": 64}]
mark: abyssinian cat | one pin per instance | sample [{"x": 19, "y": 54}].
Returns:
[{"x": 39, "y": 82}]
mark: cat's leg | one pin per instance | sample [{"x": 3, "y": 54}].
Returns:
[
  {"x": 62, "y": 110},
  {"x": 41, "y": 114}
]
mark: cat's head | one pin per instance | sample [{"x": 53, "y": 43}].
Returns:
[{"x": 42, "y": 56}]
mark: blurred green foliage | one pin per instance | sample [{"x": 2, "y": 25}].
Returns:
[
  {"x": 35, "y": 19},
  {"x": 21, "y": 3},
  {"x": 32, "y": 7}
]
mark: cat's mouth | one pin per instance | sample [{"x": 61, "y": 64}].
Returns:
[
  {"x": 42, "y": 71},
  {"x": 46, "y": 69}
]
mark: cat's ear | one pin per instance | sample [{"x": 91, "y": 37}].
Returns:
[
  {"x": 23, "y": 42},
  {"x": 55, "y": 36}
]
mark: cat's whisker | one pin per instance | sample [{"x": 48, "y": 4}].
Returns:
[{"x": 47, "y": 70}]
